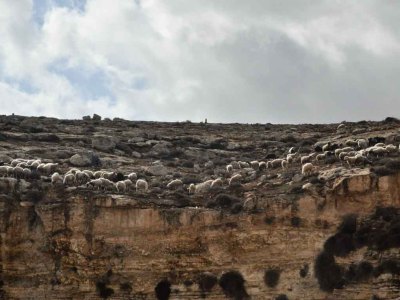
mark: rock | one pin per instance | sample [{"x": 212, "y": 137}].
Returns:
[
  {"x": 96, "y": 117},
  {"x": 5, "y": 158},
  {"x": 103, "y": 143},
  {"x": 161, "y": 149},
  {"x": 136, "y": 154},
  {"x": 85, "y": 160},
  {"x": 86, "y": 118},
  {"x": 157, "y": 170}
]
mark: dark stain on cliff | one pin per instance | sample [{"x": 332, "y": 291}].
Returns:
[{"x": 271, "y": 277}]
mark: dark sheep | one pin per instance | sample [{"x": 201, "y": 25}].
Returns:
[
  {"x": 163, "y": 290},
  {"x": 207, "y": 281},
  {"x": 271, "y": 277}
]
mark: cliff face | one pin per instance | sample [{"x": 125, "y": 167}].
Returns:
[{"x": 75, "y": 243}]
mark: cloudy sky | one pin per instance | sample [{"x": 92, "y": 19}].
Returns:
[{"x": 300, "y": 61}]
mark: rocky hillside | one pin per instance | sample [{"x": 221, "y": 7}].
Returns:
[{"x": 331, "y": 232}]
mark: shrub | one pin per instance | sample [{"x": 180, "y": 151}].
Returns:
[
  {"x": 271, "y": 277},
  {"x": 295, "y": 221},
  {"x": 281, "y": 297},
  {"x": 207, "y": 281},
  {"x": 232, "y": 283},
  {"x": 163, "y": 290},
  {"x": 327, "y": 272},
  {"x": 102, "y": 289}
]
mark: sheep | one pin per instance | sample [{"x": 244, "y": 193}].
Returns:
[
  {"x": 95, "y": 183},
  {"x": 128, "y": 184},
  {"x": 49, "y": 167},
  {"x": 108, "y": 175},
  {"x": 276, "y": 163},
  {"x": 320, "y": 157},
  {"x": 82, "y": 177},
  {"x": 69, "y": 179},
  {"x": 72, "y": 171},
  {"x": 141, "y": 185},
  {"x": 244, "y": 164},
  {"x": 120, "y": 186},
  {"x": 216, "y": 184},
  {"x": 97, "y": 174},
  {"x": 326, "y": 147},
  {"x": 377, "y": 151},
  {"x": 175, "y": 184},
  {"x": 10, "y": 170},
  {"x": 235, "y": 165},
  {"x": 107, "y": 184},
  {"x": 192, "y": 188},
  {"x": 269, "y": 164},
  {"x": 380, "y": 145},
  {"x": 8, "y": 184},
  {"x": 255, "y": 165},
  {"x": 27, "y": 173},
  {"x": 290, "y": 157},
  {"x": 203, "y": 187},
  {"x": 56, "y": 178},
  {"x": 284, "y": 164},
  {"x": 36, "y": 163},
  {"x": 89, "y": 173},
  {"x": 23, "y": 165},
  {"x": 235, "y": 180},
  {"x": 229, "y": 169},
  {"x": 351, "y": 160},
  {"x": 292, "y": 150},
  {"x": 3, "y": 171},
  {"x": 351, "y": 143},
  {"x": 340, "y": 150},
  {"x": 262, "y": 166},
  {"x": 391, "y": 148},
  {"x": 307, "y": 168},
  {"x": 132, "y": 176},
  {"x": 18, "y": 172},
  {"x": 306, "y": 159},
  {"x": 16, "y": 161},
  {"x": 362, "y": 143}
]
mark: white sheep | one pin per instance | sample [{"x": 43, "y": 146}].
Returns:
[
  {"x": 229, "y": 169},
  {"x": 95, "y": 183},
  {"x": 129, "y": 184},
  {"x": 120, "y": 186},
  {"x": 192, "y": 188},
  {"x": 345, "y": 149},
  {"x": 362, "y": 143},
  {"x": 141, "y": 185},
  {"x": 244, "y": 164},
  {"x": 306, "y": 159},
  {"x": 203, "y": 187},
  {"x": 292, "y": 150},
  {"x": 290, "y": 157},
  {"x": 18, "y": 172},
  {"x": 73, "y": 171},
  {"x": 108, "y": 175},
  {"x": 27, "y": 173},
  {"x": 36, "y": 163},
  {"x": 379, "y": 145},
  {"x": 235, "y": 180},
  {"x": 391, "y": 148},
  {"x": 56, "y": 178},
  {"x": 262, "y": 166},
  {"x": 69, "y": 179},
  {"x": 132, "y": 176},
  {"x": 378, "y": 151},
  {"x": 49, "y": 167},
  {"x": 341, "y": 126},
  {"x": 276, "y": 163},
  {"x": 3, "y": 171},
  {"x": 255, "y": 165},
  {"x": 307, "y": 168},
  {"x": 89, "y": 173},
  {"x": 326, "y": 147},
  {"x": 284, "y": 164},
  {"x": 16, "y": 161},
  {"x": 216, "y": 184},
  {"x": 23, "y": 165},
  {"x": 97, "y": 174},
  {"x": 107, "y": 184},
  {"x": 175, "y": 184}
]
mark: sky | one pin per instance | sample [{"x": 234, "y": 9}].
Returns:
[{"x": 272, "y": 61}]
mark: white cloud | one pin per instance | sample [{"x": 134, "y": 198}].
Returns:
[{"x": 229, "y": 61}]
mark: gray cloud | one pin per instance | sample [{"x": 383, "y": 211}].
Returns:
[{"x": 228, "y": 61}]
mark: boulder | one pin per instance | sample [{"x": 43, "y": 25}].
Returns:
[
  {"x": 96, "y": 117},
  {"x": 85, "y": 159},
  {"x": 157, "y": 170},
  {"x": 86, "y": 118},
  {"x": 103, "y": 143}
]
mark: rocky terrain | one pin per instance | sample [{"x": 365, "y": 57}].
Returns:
[{"x": 333, "y": 233}]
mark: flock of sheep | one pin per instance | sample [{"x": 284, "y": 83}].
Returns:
[{"x": 352, "y": 152}]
